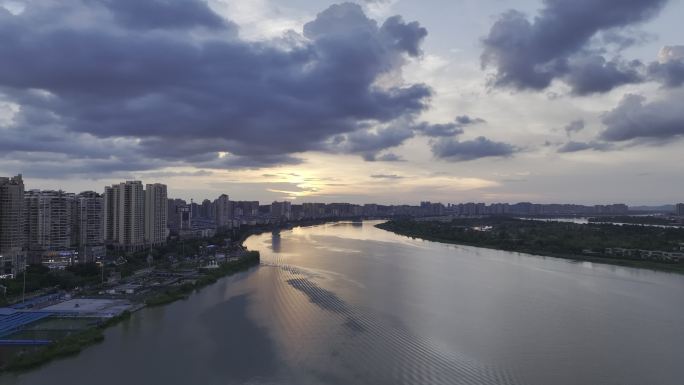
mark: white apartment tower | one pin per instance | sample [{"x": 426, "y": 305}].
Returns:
[
  {"x": 49, "y": 222},
  {"x": 156, "y": 212},
  {"x": 12, "y": 217}
]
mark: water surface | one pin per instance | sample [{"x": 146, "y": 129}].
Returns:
[{"x": 348, "y": 303}]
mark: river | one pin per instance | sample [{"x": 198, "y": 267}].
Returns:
[{"x": 348, "y": 303}]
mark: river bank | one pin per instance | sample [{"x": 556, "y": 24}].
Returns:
[
  {"x": 491, "y": 234},
  {"x": 349, "y": 303},
  {"x": 74, "y": 343}
]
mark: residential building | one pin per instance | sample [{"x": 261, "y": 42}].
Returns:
[
  {"x": 281, "y": 210},
  {"x": 89, "y": 226},
  {"x": 679, "y": 209},
  {"x": 49, "y": 223},
  {"x": 12, "y": 218},
  {"x": 156, "y": 214},
  {"x": 224, "y": 211},
  {"x": 125, "y": 215},
  {"x": 173, "y": 214},
  {"x": 246, "y": 209},
  {"x": 207, "y": 209},
  {"x": 184, "y": 217}
]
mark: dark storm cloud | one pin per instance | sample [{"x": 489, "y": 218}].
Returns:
[
  {"x": 163, "y": 14},
  {"x": 465, "y": 120},
  {"x": 447, "y": 129},
  {"x": 556, "y": 45},
  {"x": 369, "y": 143},
  {"x": 669, "y": 70},
  {"x": 388, "y": 157},
  {"x": 480, "y": 147},
  {"x": 406, "y": 37},
  {"x": 255, "y": 162},
  {"x": 58, "y": 166},
  {"x": 439, "y": 129},
  {"x": 636, "y": 119},
  {"x": 574, "y": 127},
  {"x": 593, "y": 74},
  {"x": 572, "y": 146},
  {"x": 670, "y": 73},
  {"x": 139, "y": 72},
  {"x": 175, "y": 174},
  {"x": 625, "y": 38}
]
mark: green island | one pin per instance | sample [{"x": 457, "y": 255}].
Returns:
[
  {"x": 655, "y": 248},
  {"x": 639, "y": 220}
]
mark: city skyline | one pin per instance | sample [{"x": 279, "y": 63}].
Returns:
[{"x": 270, "y": 102}]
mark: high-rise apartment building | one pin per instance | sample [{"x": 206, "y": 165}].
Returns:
[
  {"x": 49, "y": 222},
  {"x": 173, "y": 216},
  {"x": 89, "y": 226},
  {"x": 184, "y": 218},
  {"x": 125, "y": 215},
  {"x": 224, "y": 211},
  {"x": 281, "y": 210},
  {"x": 156, "y": 214},
  {"x": 207, "y": 209},
  {"x": 12, "y": 217},
  {"x": 245, "y": 209},
  {"x": 110, "y": 202},
  {"x": 679, "y": 209}
]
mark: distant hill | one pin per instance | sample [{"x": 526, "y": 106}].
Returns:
[{"x": 663, "y": 208}]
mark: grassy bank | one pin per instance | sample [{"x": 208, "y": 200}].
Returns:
[
  {"x": 74, "y": 343},
  {"x": 558, "y": 240},
  {"x": 63, "y": 347},
  {"x": 209, "y": 276}
]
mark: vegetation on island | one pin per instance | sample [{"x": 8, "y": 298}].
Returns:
[
  {"x": 556, "y": 239},
  {"x": 639, "y": 220}
]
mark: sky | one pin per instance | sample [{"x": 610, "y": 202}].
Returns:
[{"x": 386, "y": 101}]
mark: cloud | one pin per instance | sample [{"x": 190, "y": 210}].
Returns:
[
  {"x": 669, "y": 69},
  {"x": 625, "y": 37},
  {"x": 556, "y": 44},
  {"x": 572, "y": 146},
  {"x": 574, "y": 127},
  {"x": 386, "y": 176},
  {"x": 439, "y": 129},
  {"x": 242, "y": 162},
  {"x": 368, "y": 143},
  {"x": 388, "y": 157},
  {"x": 175, "y": 14},
  {"x": 465, "y": 120},
  {"x": 636, "y": 119},
  {"x": 594, "y": 74},
  {"x": 447, "y": 129},
  {"x": 480, "y": 147},
  {"x": 406, "y": 37},
  {"x": 175, "y": 174},
  {"x": 172, "y": 82}
]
